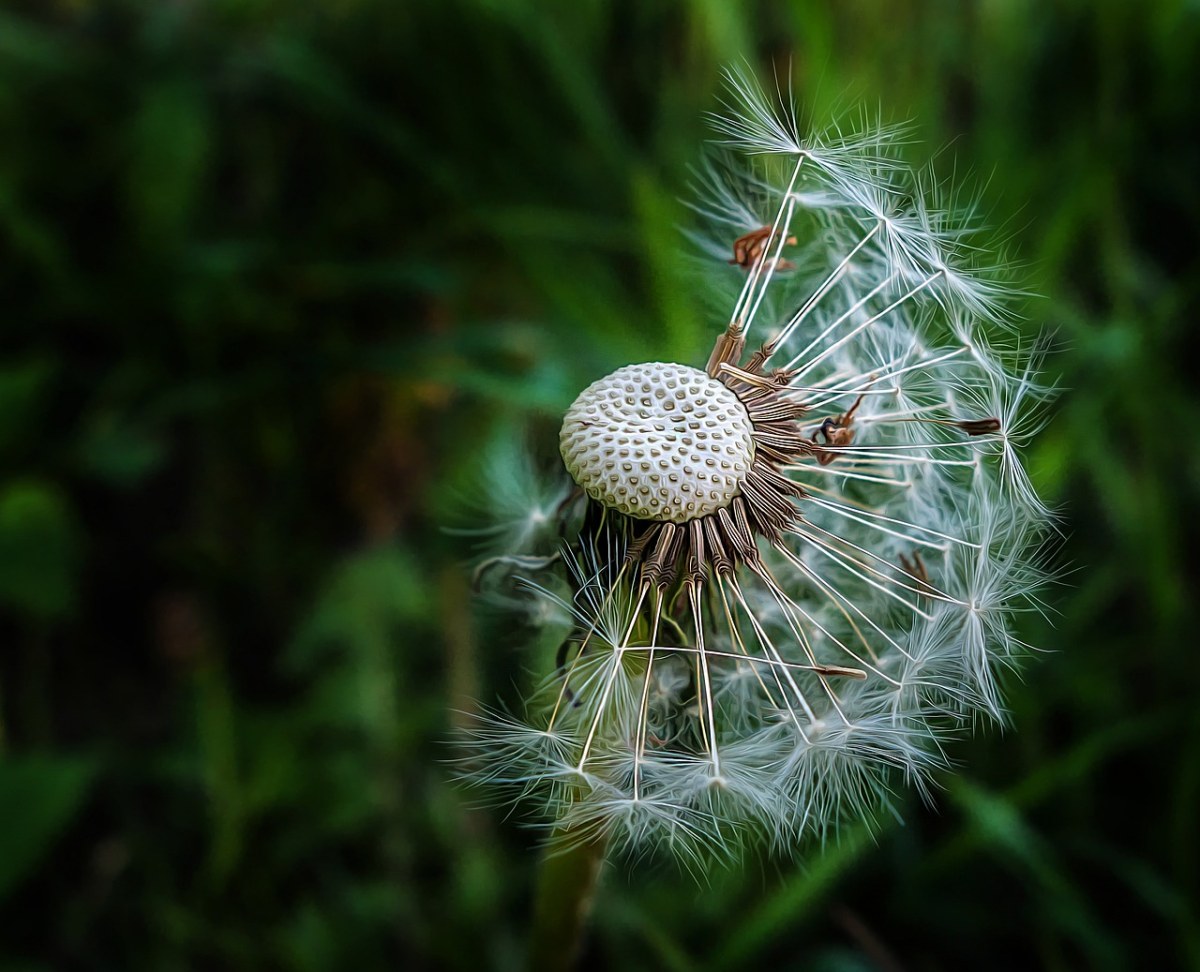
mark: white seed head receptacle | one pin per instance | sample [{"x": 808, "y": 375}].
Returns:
[{"x": 658, "y": 442}]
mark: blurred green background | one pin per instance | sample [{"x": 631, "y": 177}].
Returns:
[{"x": 276, "y": 275}]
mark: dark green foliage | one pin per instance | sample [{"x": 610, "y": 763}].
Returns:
[{"x": 275, "y": 274}]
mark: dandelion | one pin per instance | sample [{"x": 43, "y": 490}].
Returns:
[{"x": 800, "y": 558}]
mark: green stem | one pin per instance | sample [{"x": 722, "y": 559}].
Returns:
[{"x": 566, "y": 887}]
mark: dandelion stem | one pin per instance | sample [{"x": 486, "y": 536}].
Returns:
[{"x": 566, "y": 886}]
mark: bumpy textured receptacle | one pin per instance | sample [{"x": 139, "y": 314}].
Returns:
[{"x": 659, "y": 442}]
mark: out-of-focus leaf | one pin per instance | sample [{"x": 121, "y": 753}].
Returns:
[
  {"x": 1011, "y": 837},
  {"x": 840, "y": 960},
  {"x": 791, "y": 903},
  {"x": 38, "y": 798},
  {"x": 368, "y": 596},
  {"x": 23, "y": 387},
  {"x": 170, "y": 140},
  {"x": 39, "y": 550},
  {"x": 21, "y": 43},
  {"x": 119, "y": 452}
]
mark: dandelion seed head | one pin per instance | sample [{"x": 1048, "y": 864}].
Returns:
[{"x": 801, "y": 558}]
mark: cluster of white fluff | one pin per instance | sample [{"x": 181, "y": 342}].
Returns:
[{"x": 767, "y": 705}]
